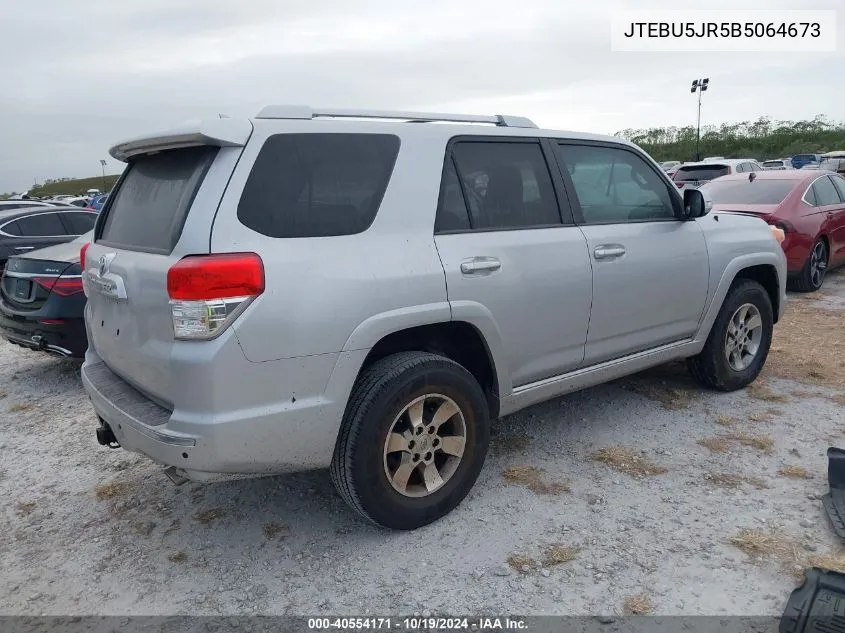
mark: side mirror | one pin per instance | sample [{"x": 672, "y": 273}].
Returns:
[{"x": 696, "y": 204}]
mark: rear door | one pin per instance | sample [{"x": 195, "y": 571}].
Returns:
[
  {"x": 506, "y": 247},
  {"x": 162, "y": 210},
  {"x": 650, "y": 270}
]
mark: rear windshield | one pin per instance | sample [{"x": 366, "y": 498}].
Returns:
[
  {"x": 744, "y": 191},
  {"x": 772, "y": 163},
  {"x": 700, "y": 172},
  {"x": 148, "y": 210},
  {"x": 317, "y": 185}
]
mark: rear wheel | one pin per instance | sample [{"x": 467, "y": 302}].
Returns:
[
  {"x": 739, "y": 340},
  {"x": 413, "y": 440},
  {"x": 812, "y": 274}
]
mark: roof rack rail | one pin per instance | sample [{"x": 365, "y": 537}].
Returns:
[{"x": 305, "y": 112}]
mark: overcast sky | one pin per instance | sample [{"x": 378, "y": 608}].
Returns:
[{"x": 81, "y": 75}]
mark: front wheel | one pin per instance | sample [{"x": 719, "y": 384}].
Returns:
[
  {"x": 739, "y": 340},
  {"x": 413, "y": 440}
]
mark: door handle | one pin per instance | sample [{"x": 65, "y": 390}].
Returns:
[
  {"x": 609, "y": 251},
  {"x": 24, "y": 248},
  {"x": 480, "y": 265}
]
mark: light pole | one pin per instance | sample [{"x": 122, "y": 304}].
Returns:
[
  {"x": 699, "y": 86},
  {"x": 103, "y": 165}
]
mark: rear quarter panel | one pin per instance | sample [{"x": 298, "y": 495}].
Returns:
[{"x": 321, "y": 290}]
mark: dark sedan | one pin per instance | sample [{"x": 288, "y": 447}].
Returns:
[
  {"x": 28, "y": 229},
  {"x": 42, "y": 301}
]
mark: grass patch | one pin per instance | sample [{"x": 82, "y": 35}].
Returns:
[
  {"x": 207, "y": 516},
  {"x": 112, "y": 490},
  {"x": 728, "y": 480},
  {"x": 25, "y": 508},
  {"x": 717, "y": 444},
  {"x": 179, "y": 556},
  {"x": 559, "y": 554},
  {"x": 794, "y": 471},
  {"x": 521, "y": 563},
  {"x": 763, "y": 443},
  {"x": 723, "y": 443},
  {"x": 764, "y": 545},
  {"x": 274, "y": 530},
  {"x": 805, "y": 325},
  {"x": 760, "y": 416},
  {"x": 627, "y": 461},
  {"x": 830, "y": 562},
  {"x": 20, "y": 406},
  {"x": 726, "y": 420},
  {"x": 532, "y": 478},
  {"x": 760, "y": 390},
  {"x": 639, "y": 604}
]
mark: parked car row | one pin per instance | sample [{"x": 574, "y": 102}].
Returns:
[{"x": 367, "y": 295}]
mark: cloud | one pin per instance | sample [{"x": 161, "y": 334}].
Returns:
[{"x": 84, "y": 75}]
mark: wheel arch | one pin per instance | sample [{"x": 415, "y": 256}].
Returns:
[
  {"x": 472, "y": 342},
  {"x": 765, "y": 268}
]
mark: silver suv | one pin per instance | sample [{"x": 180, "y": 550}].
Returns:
[{"x": 367, "y": 290}]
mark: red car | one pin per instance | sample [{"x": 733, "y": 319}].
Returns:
[{"x": 808, "y": 205}]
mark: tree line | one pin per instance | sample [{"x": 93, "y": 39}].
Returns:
[{"x": 762, "y": 139}]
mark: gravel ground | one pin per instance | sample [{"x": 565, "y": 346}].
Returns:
[{"x": 88, "y": 530}]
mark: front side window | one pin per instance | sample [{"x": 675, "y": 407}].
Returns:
[
  {"x": 317, "y": 185},
  {"x": 506, "y": 185},
  {"x": 615, "y": 185}
]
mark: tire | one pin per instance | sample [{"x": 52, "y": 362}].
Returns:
[
  {"x": 712, "y": 366},
  {"x": 362, "y": 464},
  {"x": 812, "y": 273}
]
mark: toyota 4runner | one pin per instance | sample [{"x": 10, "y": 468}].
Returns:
[{"x": 365, "y": 291}]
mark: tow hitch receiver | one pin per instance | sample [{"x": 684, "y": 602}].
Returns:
[
  {"x": 105, "y": 436},
  {"x": 834, "y": 501}
]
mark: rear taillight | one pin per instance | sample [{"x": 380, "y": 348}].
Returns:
[
  {"x": 680, "y": 185},
  {"x": 208, "y": 292},
  {"x": 62, "y": 286},
  {"x": 82, "y": 252}
]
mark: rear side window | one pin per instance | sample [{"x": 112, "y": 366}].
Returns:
[
  {"x": 41, "y": 225},
  {"x": 506, "y": 185},
  {"x": 79, "y": 223},
  {"x": 317, "y": 185},
  {"x": 452, "y": 212},
  {"x": 825, "y": 192},
  {"x": 700, "y": 172},
  {"x": 149, "y": 208}
]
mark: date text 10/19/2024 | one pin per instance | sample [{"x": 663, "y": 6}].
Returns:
[{"x": 418, "y": 624}]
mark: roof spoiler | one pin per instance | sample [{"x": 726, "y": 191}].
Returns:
[{"x": 217, "y": 132}]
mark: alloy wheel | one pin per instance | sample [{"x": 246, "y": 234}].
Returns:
[
  {"x": 743, "y": 337},
  {"x": 425, "y": 445}
]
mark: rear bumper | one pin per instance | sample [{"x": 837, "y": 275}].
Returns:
[
  {"x": 65, "y": 339},
  {"x": 288, "y": 434}
]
